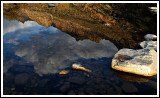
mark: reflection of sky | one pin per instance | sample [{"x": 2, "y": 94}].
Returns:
[
  {"x": 51, "y": 50},
  {"x": 10, "y": 26}
]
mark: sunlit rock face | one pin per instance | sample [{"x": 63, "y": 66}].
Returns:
[
  {"x": 142, "y": 62},
  {"x": 41, "y": 18}
]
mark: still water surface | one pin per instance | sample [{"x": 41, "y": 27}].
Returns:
[{"x": 33, "y": 56}]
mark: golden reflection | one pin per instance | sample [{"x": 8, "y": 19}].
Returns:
[
  {"x": 131, "y": 77},
  {"x": 63, "y": 6}
]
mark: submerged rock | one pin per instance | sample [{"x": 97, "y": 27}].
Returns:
[
  {"x": 152, "y": 45},
  {"x": 79, "y": 67},
  {"x": 129, "y": 88},
  {"x": 150, "y": 37},
  {"x": 77, "y": 80},
  {"x": 63, "y": 72},
  {"x": 64, "y": 87},
  {"x": 142, "y": 62},
  {"x": 21, "y": 79}
]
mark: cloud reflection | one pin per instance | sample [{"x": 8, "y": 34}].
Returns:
[
  {"x": 51, "y": 50},
  {"x": 10, "y": 26}
]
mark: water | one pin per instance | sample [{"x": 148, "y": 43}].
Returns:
[{"x": 33, "y": 56}]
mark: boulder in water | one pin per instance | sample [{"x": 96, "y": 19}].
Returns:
[{"x": 141, "y": 62}]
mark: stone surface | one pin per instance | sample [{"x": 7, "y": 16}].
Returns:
[
  {"x": 153, "y": 9},
  {"x": 77, "y": 80},
  {"x": 152, "y": 45},
  {"x": 143, "y": 62},
  {"x": 152, "y": 84},
  {"x": 21, "y": 79},
  {"x": 129, "y": 88},
  {"x": 63, "y": 72},
  {"x": 150, "y": 37},
  {"x": 64, "y": 87},
  {"x": 51, "y": 5}
]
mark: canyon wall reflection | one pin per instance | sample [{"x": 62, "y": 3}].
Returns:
[
  {"x": 124, "y": 27},
  {"x": 49, "y": 49}
]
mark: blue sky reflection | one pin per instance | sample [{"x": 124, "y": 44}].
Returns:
[{"x": 51, "y": 50}]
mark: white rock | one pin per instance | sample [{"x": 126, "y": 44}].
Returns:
[
  {"x": 153, "y": 9},
  {"x": 152, "y": 45},
  {"x": 150, "y": 37},
  {"x": 141, "y": 62},
  {"x": 51, "y": 5},
  {"x": 107, "y": 24}
]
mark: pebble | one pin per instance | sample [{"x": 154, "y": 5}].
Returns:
[{"x": 51, "y": 5}]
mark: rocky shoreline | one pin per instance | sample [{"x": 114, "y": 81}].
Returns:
[{"x": 141, "y": 61}]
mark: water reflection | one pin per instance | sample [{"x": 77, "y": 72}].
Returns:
[
  {"x": 9, "y": 26},
  {"x": 34, "y": 54},
  {"x": 33, "y": 57},
  {"x": 51, "y": 50},
  {"x": 123, "y": 27},
  {"x": 131, "y": 77}
]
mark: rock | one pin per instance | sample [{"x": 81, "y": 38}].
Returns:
[
  {"x": 6, "y": 91},
  {"x": 123, "y": 57},
  {"x": 129, "y": 88},
  {"x": 107, "y": 24},
  {"x": 115, "y": 90},
  {"x": 12, "y": 89},
  {"x": 150, "y": 37},
  {"x": 63, "y": 72},
  {"x": 153, "y": 9},
  {"x": 51, "y": 5},
  {"x": 64, "y": 88},
  {"x": 152, "y": 84},
  {"x": 42, "y": 18},
  {"x": 21, "y": 79},
  {"x": 80, "y": 67},
  {"x": 143, "y": 62},
  {"x": 71, "y": 92},
  {"x": 77, "y": 80},
  {"x": 152, "y": 45}
]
